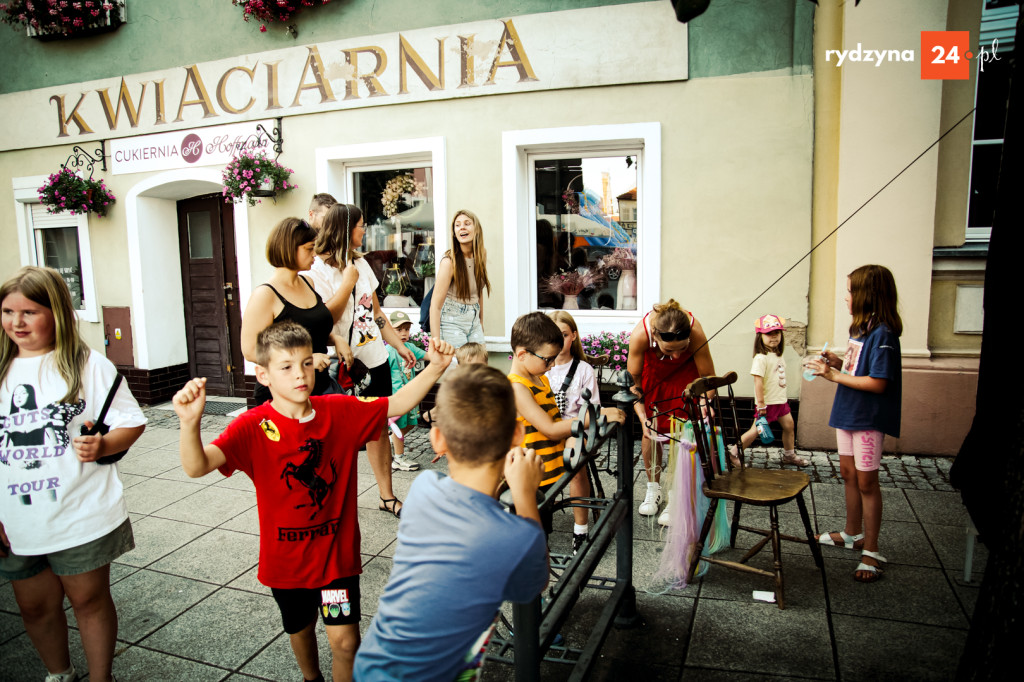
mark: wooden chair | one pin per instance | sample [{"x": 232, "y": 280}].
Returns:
[{"x": 743, "y": 485}]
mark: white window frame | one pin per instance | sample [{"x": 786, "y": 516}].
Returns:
[
  {"x": 519, "y": 149},
  {"x": 336, "y": 166},
  {"x": 26, "y": 193}
]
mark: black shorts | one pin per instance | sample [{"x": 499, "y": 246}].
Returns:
[
  {"x": 337, "y": 602},
  {"x": 380, "y": 382}
]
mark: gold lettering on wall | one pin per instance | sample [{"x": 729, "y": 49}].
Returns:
[
  {"x": 408, "y": 56},
  {"x": 272, "y": 101},
  {"x": 192, "y": 76},
  {"x": 314, "y": 63},
  {"x": 74, "y": 116},
  {"x": 467, "y": 71},
  {"x": 222, "y": 86},
  {"x": 369, "y": 79},
  {"x": 123, "y": 97},
  {"x": 161, "y": 101},
  {"x": 510, "y": 39}
]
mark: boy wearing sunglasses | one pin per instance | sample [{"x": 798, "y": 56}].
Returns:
[{"x": 536, "y": 342}]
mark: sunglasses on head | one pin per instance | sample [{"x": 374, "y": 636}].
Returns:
[{"x": 672, "y": 336}]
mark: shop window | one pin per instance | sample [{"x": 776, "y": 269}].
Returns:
[
  {"x": 400, "y": 187},
  {"x": 999, "y": 19},
  {"x": 59, "y": 241},
  {"x": 579, "y": 201},
  {"x": 586, "y": 232},
  {"x": 398, "y": 211}
]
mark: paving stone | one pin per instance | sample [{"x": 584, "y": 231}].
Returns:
[
  {"x": 226, "y": 629},
  {"x": 156, "y": 537},
  {"x": 154, "y": 494},
  {"x": 209, "y": 507},
  {"x": 277, "y": 662},
  {"x": 938, "y": 507},
  {"x": 872, "y": 649},
  {"x": 137, "y": 663},
  {"x": 146, "y": 600},
  {"x": 218, "y": 556}
]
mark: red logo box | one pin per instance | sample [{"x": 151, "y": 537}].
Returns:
[{"x": 945, "y": 55}]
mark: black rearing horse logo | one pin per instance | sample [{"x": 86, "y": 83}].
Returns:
[{"x": 306, "y": 474}]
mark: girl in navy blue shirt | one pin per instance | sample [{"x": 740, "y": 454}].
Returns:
[{"x": 866, "y": 407}]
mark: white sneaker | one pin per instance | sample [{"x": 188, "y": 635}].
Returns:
[
  {"x": 70, "y": 676},
  {"x": 649, "y": 507},
  {"x": 663, "y": 520},
  {"x": 403, "y": 463}
]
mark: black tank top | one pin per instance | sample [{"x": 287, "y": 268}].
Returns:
[{"x": 318, "y": 321}]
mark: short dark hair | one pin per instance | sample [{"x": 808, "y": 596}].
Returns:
[
  {"x": 284, "y": 242},
  {"x": 281, "y": 336},
  {"x": 322, "y": 200},
  {"x": 533, "y": 330},
  {"x": 476, "y": 413}
]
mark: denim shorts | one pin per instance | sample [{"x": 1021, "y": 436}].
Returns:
[
  {"x": 72, "y": 561},
  {"x": 460, "y": 323}
]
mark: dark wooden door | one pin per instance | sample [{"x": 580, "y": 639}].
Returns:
[{"x": 209, "y": 279}]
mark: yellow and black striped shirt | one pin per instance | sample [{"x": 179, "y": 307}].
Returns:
[{"x": 550, "y": 451}]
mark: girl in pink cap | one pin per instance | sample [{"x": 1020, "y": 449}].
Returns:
[{"x": 769, "y": 371}]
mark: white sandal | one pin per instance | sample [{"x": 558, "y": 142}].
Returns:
[
  {"x": 848, "y": 540},
  {"x": 875, "y": 571}
]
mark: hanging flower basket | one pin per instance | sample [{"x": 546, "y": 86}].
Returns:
[
  {"x": 253, "y": 175},
  {"x": 269, "y": 11},
  {"x": 68, "y": 191},
  {"x": 56, "y": 19}
]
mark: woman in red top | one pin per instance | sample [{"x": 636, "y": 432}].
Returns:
[{"x": 667, "y": 350}]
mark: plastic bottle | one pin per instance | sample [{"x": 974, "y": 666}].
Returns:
[
  {"x": 764, "y": 432},
  {"x": 809, "y": 374}
]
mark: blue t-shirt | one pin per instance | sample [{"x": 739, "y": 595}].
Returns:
[
  {"x": 875, "y": 355},
  {"x": 459, "y": 556}
]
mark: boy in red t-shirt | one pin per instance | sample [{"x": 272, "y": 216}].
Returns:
[{"x": 301, "y": 454}]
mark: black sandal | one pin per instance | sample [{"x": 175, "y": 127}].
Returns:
[{"x": 393, "y": 508}]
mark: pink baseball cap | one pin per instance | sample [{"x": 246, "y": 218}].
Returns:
[{"x": 769, "y": 323}]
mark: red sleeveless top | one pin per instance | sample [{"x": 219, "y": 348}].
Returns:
[{"x": 664, "y": 379}]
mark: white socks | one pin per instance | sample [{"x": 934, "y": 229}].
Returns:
[{"x": 578, "y": 529}]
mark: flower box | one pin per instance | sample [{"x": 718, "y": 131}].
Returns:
[{"x": 63, "y": 19}]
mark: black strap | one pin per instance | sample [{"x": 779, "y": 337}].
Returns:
[
  {"x": 99, "y": 425},
  {"x": 570, "y": 375}
]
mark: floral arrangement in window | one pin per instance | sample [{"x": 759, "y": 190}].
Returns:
[
  {"x": 394, "y": 191},
  {"x": 572, "y": 283},
  {"x": 70, "y": 191},
  {"x": 61, "y": 17},
  {"x": 621, "y": 258},
  {"x": 268, "y": 11},
  {"x": 614, "y": 346},
  {"x": 251, "y": 175}
]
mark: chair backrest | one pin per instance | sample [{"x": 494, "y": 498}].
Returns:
[{"x": 719, "y": 422}]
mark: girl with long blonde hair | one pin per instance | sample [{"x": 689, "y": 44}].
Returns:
[{"x": 457, "y": 304}]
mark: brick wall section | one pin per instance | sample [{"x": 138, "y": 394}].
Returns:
[{"x": 152, "y": 386}]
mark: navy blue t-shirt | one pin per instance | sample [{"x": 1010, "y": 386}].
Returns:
[
  {"x": 459, "y": 556},
  {"x": 875, "y": 355}
]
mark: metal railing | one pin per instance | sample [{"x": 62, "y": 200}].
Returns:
[{"x": 532, "y": 635}]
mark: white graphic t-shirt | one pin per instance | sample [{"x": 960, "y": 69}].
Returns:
[
  {"x": 356, "y": 324},
  {"x": 50, "y": 501},
  {"x": 772, "y": 369}
]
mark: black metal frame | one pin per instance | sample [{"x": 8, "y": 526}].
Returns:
[
  {"x": 536, "y": 624},
  {"x": 80, "y": 158}
]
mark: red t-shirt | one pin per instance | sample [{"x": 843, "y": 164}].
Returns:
[{"x": 305, "y": 477}]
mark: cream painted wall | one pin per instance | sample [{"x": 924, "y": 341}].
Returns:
[
  {"x": 889, "y": 115},
  {"x": 736, "y": 185}
]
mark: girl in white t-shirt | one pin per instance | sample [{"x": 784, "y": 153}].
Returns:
[
  {"x": 63, "y": 517},
  {"x": 769, "y": 371},
  {"x": 569, "y": 376}
]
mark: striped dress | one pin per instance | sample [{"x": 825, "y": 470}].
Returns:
[{"x": 550, "y": 451}]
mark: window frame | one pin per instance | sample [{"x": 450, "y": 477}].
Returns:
[
  {"x": 519, "y": 150},
  {"x": 26, "y": 194},
  {"x": 336, "y": 167}
]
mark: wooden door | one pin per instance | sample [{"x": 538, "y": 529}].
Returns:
[{"x": 209, "y": 279}]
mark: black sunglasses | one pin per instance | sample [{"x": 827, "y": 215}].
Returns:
[
  {"x": 672, "y": 336},
  {"x": 547, "y": 361}
]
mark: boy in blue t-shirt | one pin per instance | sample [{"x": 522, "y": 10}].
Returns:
[
  {"x": 460, "y": 554},
  {"x": 401, "y": 374}
]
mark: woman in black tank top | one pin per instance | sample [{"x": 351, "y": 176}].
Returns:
[{"x": 290, "y": 297}]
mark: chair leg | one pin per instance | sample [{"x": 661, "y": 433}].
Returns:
[
  {"x": 815, "y": 548},
  {"x": 699, "y": 546},
  {"x": 773, "y": 514},
  {"x": 735, "y": 523}
]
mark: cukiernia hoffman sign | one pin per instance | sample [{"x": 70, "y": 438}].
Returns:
[
  {"x": 633, "y": 43},
  {"x": 214, "y": 146}
]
